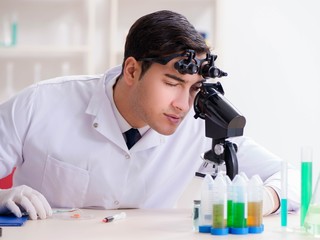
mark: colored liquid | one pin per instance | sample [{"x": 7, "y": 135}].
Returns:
[
  {"x": 230, "y": 213},
  {"x": 312, "y": 220},
  {"x": 14, "y": 34},
  {"x": 218, "y": 216},
  {"x": 254, "y": 214},
  {"x": 306, "y": 189},
  {"x": 284, "y": 212},
  {"x": 239, "y": 215}
]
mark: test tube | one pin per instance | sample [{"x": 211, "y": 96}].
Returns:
[
  {"x": 284, "y": 193},
  {"x": 255, "y": 199},
  {"x": 306, "y": 181},
  {"x": 229, "y": 202},
  {"x": 240, "y": 206},
  {"x": 244, "y": 175},
  {"x": 311, "y": 222},
  {"x": 14, "y": 29},
  {"x": 219, "y": 206},
  {"x": 206, "y": 204}
]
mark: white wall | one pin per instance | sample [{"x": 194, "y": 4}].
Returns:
[{"x": 271, "y": 51}]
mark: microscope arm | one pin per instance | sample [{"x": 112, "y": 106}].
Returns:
[
  {"x": 231, "y": 159},
  {"x": 224, "y": 151}
]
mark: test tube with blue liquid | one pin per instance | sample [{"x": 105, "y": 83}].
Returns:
[
  {"x": 284, "y": 193},
  {"x": 306, "y": 181}
]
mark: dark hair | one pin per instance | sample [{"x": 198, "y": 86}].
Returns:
[{"x": 159, "y": 34}]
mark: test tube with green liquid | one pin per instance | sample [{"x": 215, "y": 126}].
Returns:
[
  {"x": 306, "y": 181},
  {"x": 229, "y": 201},
  {"x": 240, "y": 206}
]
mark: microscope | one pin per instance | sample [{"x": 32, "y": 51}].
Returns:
[{"x": 222, "y": 119}]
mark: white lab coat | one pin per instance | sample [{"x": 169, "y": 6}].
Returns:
[{"x": 64, "y": 139}]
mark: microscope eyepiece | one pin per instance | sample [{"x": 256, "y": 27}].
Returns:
[
  {"x": 210, "y": 71},
  {"x": 185, "y": 67}
]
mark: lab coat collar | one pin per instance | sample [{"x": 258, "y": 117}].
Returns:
[{"x": 105, "y": 122}]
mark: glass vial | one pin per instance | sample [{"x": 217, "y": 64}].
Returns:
[{"x": 196, "y": 214}]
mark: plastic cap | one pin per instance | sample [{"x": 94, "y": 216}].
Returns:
[
  {"x": 257, "y": 229},
  {"x": 204, "y": 229},
  {"x": 239, "y": 230},
  {"x": 219, "y": 231}
]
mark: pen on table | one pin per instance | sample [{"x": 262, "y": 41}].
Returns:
[
  {"x": 111, "y": 218},
  {"x": 284, "y": 186}
]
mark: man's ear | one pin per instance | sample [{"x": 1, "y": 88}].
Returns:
[{"x": 132, "y": 70}]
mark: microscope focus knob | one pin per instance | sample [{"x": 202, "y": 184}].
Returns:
[{"x": 219, "y": 149}]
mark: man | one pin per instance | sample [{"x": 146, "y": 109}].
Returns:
[{"x": 66, "y": 136}]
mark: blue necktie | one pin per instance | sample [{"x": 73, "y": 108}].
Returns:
[{"x": 132, "y": 136}]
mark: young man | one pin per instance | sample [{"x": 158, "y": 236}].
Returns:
[{"x": 66, "y": 136}]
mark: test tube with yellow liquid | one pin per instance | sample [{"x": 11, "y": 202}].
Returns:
[{"x": 255, "y": 199}]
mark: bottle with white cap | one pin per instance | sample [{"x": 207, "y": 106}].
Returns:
[
  {"x": 219, "y": 206},
  {"x": 240, "y": 206},
  {"x": 205, "y": 220},
  {"x": 255, "y": 199}
]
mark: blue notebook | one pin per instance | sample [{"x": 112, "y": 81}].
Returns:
[{"x": 12, "y": 220}]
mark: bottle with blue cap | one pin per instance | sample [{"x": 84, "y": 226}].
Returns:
[
  {"x": 255, "y": 199},
  {"x": 229, "y": 201},
  {"x": 240, "y": 206},
  {"x": 205, "y": 221},
  {"x": 219, "y": 206}
]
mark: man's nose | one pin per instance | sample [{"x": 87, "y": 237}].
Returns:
[{"x": 183, "y": 102}]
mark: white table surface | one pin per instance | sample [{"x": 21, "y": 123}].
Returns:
[{"x": 139, "y": 224}]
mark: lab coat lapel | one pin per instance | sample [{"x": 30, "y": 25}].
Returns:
[
  {"x": 149, "y": 140},
  {"x": 107, "y": 125},
  {"x": 103, "y": 119},
  {"x": 105, "y": 122}
]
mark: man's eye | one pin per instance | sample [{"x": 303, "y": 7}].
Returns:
[
  {"x": 171, "y": 84},
  {"x": 195, "y": 88}
]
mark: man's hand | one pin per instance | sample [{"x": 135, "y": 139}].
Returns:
[
  {"x": 33, "y": 202},
  {"x": 271, "y": 201}
]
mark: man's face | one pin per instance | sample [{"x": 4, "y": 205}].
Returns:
[{"x": 163, "y": 97}]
